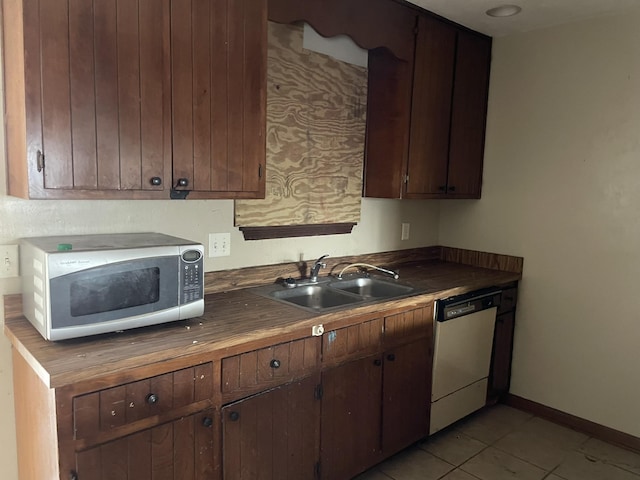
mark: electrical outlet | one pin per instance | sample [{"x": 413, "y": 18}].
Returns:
[
  {"x": 8, "y": 261},
  {"x": 219, "y": 244},
  {"x": 405, "y": 231}
]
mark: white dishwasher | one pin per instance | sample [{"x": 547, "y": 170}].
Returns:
[{"x": 462, "y": 355}]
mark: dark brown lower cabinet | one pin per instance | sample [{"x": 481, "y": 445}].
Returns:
[
  {"x": 351, "y": 405},
  {"x": 406, "y": 392},
  {"x": 373, "y": 408},
  {"x": 179, "y": 450},
  {"x": 500, "y": 374},
  {"x": 274, "y": 435}
]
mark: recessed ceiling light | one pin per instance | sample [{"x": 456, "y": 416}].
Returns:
[{"x": 504, "y": 11}]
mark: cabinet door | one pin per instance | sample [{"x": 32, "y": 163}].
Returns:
[
  {"x": 469, "y": 111},
  {"x": 180, "y": 450},
  {"x": 431, "y": 107},
  {"x": 97, "y": 91},
  {"x": 274, "y": 435},
  {"x": 351, "y": 406},
  {"x": 500, "y": 375},
  {"x": 406, "y": 392},
  {"x": 219, "y": 65}
]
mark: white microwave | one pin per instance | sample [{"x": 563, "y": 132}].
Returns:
[{"x": 79, "y": 285}]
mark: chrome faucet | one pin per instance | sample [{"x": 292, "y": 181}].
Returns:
[{"x": 313, "y": 277}]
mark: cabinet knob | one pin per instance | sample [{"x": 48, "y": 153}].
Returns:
[
  {"x": 391, "y": 357},
  {"x": 377, "y": 362},
  {"x": 207, "y": 422},
  {"x": 156, "y": 181},
  {"x": 152, "y": 399},
  {"x": 234, "y": 416},
  {"x": 275, "y": 363},
  {"x": 73, "y": 475},
  {"x": 183, "y": 182},
  {"x": 452, "y": 188}
]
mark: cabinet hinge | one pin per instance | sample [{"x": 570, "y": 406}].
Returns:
[
  {"x": 317, "y": 393},
  {"x": 40, "y": 160},
  {"x": 316, "y": 471}
]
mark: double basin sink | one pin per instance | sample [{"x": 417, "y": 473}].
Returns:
[{"x": 333, "y": 293}]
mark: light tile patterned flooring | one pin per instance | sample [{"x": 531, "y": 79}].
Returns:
[{"x": 502, "y": 443}]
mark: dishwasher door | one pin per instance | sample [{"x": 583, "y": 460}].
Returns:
[{"x": 461, "y": 363}]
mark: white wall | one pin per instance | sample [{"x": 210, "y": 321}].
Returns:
[{"x": 562, "y": 189}]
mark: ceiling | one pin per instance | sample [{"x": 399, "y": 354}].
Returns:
[{"x": 535, "y": 13}]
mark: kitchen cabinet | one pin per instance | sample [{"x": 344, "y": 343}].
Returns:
[
  {"x": 273, "y": 435},
  {"x": 101, "y": 103},
  {"x": 121, "y": 426},
  {"x": 500, "y": 373},
  {"x": 367, "y": 415},
  {"x": 181, "y": 449},
  {"x": 218, "y": 93},
  {"x": 444, "y": 116}
]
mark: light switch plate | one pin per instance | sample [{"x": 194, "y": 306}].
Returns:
[
  {"x": 405, "y": 231},
  {"x": 9, "y": 261},
  {"x": 219, "y": 244}
]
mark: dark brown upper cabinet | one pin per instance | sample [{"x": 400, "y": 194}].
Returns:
[
  {"x": 218, "y": 91},
  {"x": 129, "y": 99},
  {"x": 425, "y": 137}
]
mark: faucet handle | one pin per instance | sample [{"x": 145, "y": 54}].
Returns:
[{"x": 320, "y": 262}]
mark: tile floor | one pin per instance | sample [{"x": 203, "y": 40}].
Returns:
[{"x": 503, "y": 443}]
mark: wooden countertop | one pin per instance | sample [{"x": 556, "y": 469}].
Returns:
[{"x": 234, "y": 322}]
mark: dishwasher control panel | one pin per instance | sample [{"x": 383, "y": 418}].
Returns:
[{"x": 467, "y": 303}]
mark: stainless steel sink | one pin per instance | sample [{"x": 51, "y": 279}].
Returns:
[
  {"x": 315, "y": 297},
  {"x": 369, "y": 287},
  {"x": 333, "y": 293}
]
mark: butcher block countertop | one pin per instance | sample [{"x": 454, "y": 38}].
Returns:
[{"x": 237, "y": 320}]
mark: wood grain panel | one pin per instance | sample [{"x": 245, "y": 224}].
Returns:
[
  {"x": 352, "y": 342},
  {"x": 407, "y": 326},
  {"x": 129, "y": 93},
  {"x": 83, "y": 96},
  {"x": 106, "y": 85},
  {"x": 204, "y": 62},
  {"x": 56, "y": 114},
  {"x": 315, "y": 137},
  {"x": 273, "y": 435},
  {"x": 406, "y": 413},
  {"x": 351, "y": 402},
  {"x": 182, "y": 89},
  {"x": 370, "y": 23},
  {"x": 219, "y": 94},
  {"x": 388, "y": 115},
  {"x": 495, "y": 261},
  {"x": 431, "y": 107},
  {"x": 253, "y": 371},
  {"x": 155, "y": 116},
  {"x": 37, "y": 436},
  {"x": 259, "y": 275},
  {"x": 468, "y": 114}
]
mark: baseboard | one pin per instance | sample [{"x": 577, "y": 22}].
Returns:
[{"x": 580, "y": 424}]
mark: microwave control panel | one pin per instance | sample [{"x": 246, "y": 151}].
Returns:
[{"x": 192, "y": 276}]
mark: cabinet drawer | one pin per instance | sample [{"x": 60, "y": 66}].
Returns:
[
  {"x": 260, "y": 369},
  {"x": 408, "y": 326},
  {"x": 114, "y": 407},
  {"x": 508, "y": 300},
  {"x": 352, "y": 342}
]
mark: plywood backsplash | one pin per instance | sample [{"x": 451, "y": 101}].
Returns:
[{"x": 316, "y": 114}]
